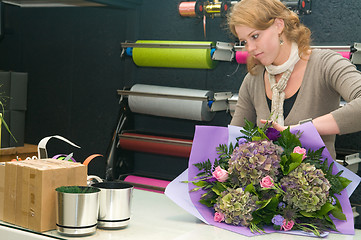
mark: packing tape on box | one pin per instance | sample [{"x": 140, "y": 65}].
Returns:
[
  {"x": 167, "y": 107},
  {"x": 173, "y": 57}
]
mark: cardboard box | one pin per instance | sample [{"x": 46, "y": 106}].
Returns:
[
  {"x": 30, "y": 190},
  {"x": 2, "y": 186}
]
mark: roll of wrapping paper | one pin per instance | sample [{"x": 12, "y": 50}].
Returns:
[
  {"x": 173, "y": 57},
  {"x": 187, "y": 9},
  {"x": 148, "y": 184},
  {"x": 241, "y": 56},
  {"x": 171, "y": 107},
  {"x": 155, "y": 144}
]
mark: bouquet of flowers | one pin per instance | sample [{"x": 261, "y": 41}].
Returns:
[
  {"x": 267, "y": 178},
  {"x": 267, "y": 181}
]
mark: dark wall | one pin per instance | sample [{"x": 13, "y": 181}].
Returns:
[{"x": 72, "y": 57}]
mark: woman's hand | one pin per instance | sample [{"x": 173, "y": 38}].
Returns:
[
  {"x": 325, "y": 125},
  {"x": 275, "y": 125}
]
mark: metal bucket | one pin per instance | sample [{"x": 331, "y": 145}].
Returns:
[
  {"x": 77, "y": 213},
  {"x": 114, "y": 204}
]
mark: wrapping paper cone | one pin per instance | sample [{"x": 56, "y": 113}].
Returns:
[{"x": 205, "y": 141}]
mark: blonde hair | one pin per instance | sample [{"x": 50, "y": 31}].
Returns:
[{"x": 261, "y": 14}]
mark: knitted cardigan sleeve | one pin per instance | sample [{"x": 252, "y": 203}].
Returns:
[{"x": 345, "y": 79}]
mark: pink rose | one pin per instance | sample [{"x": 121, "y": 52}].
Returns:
[
  {"x": 267, "y": 182},
  {"x": 287, "y": 225},
  {"x": 218, "y": 217},
  {"x": 220, "y": 174},
  {"x": 300, "y": 151}
]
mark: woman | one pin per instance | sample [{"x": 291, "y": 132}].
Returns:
[{"x": 287, "y": 80}]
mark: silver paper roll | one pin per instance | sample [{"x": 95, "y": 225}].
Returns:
[{"x": 168, "y": 107}]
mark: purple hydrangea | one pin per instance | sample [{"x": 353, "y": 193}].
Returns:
[
  {"x": 241, "y": 141},
  {"x": 333, "y": 201},
  {"x": 210, "y": 180},
  {"x": 278, "y": 220},
  {"x": 252, "y": 161},
  {"x": 273, "y": 134},
  {"x": 307, "y": 188},
  {"x": 281, "y": 205}
]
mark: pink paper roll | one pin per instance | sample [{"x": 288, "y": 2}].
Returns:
[
  {"x": 241, "y": 57},
  {"x": 345, "y": 54},
  {"x": 151, "y": 182}
]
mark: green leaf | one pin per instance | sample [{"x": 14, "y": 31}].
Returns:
[
  {"x": 330, "y": 223},
  {"x": 314, "y": 157},
  {"x": 307, "y": 214},
  {"x": 256, "y": 138},
  {"x": 206, "y": 202},
  {"x": 337, "y": 211},
  {"x": 250, "y": 188},
  {"x": 344, "y": 181},
  {"x": 200, "y": 183},
  {"x": 283, "y": 164},
  {"x": 5, "y": 125},
  {"x": 218, "y": 188},
  {"x": 270, "y": 204},
  {"x": 325, "y": 209},
  {"x": 295, "y": 160},
  {"x": 288, "y": 141},
  {"x": 290, "y": 162},
  {"x": 254, "y": 133}
]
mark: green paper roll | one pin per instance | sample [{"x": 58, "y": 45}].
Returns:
[{"x": 173, "y": 57}]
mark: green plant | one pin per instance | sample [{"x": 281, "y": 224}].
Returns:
[
  {"x": 77, "y": 189},
  {"x": 3, "y": 121}
]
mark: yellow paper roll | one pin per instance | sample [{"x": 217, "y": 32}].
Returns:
[{"x": 173, "y": 57}]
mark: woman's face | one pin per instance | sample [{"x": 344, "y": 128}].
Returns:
[{"x": 264, "y": 45}]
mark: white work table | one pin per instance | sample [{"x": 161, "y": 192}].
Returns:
[{"x": 154, "y": 216}]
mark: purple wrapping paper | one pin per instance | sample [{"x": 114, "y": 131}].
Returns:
[{"x": 207, "y": 138}]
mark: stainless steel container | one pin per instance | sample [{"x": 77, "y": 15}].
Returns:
[
  {"x": 77, "y": 213},
  {"x": 114, "y": 204}
]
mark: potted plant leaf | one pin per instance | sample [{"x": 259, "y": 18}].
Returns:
[{"x": 2, "y": 122}]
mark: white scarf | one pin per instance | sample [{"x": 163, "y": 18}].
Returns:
[{"x": 278, "y": 94}]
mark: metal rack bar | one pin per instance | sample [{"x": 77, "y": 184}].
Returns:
[
  {"x": 168, "y": 45},
  {"x": 161, "y": 95}
]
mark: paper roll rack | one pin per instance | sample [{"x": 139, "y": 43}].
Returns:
[{"x": 128, "y": 140}]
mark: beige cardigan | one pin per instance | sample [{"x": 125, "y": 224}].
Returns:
[{"x": 328, "y": 76}]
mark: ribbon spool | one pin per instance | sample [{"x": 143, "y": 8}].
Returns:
[
  {"x": 201, "y": 7},
  {"x": 191, "y": 9}
]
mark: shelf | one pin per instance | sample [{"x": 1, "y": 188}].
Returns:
[{"x": 28, "y": 150}]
